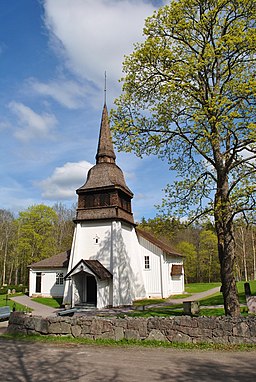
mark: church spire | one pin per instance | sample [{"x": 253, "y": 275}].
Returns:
[
  {"x": 105, "y": 152},
  {"x": 105, "y": 195}
]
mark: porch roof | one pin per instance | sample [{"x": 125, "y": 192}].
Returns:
[{"x": 95, "y": 266}]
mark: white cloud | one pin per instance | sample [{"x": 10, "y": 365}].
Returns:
[
  {"x": 61, "y": 185},
  {"x": 68, "y": 93},
  {"x": 94, "y": 35},
  {"x": 33, "y": 125},
  {"x": 4, "y": 125}
]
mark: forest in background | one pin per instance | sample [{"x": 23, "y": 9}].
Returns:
[{"x": 42, "y": 231}]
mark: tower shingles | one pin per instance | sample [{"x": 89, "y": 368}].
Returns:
[{"x": 105, "y": 194}]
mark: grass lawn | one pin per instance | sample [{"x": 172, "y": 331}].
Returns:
[
  {"x": 177, "y": 309},
  {"x": 53, "y": 302},
  {"x": 217, "y": 298},
  {"x": 13, "y": 304},
  {"x": 200, "y": 287}
]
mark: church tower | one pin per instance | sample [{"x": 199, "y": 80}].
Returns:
[
  {"x": 104, "y": 266},
  {"x": 105, "y": 194}
]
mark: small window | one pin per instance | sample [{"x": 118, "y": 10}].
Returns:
[
  {"x": 59, "y": 278},
  {"x": 146, "y": 262},
  {"x": 96, "y": 239}
]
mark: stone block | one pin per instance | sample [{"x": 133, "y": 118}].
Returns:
[
  {"x": 17, "y": 318},
  {"x": 241, "y": 330},
  {"x": 76, "y": 330},
  {"x": 156, "y": 335},
  {"x": 153, "y": 323},
  {"x": 179, "y": 337},
  {"x": 217, "y": 333},
  {"x": 65, "y": 328},
  {"x": 106, "y": 335},
  {"x": 206, "y": 323},
  {"x": 96, "y": 326},
  {"x": 29, "y": 323},
  {"x": 131, "y": 334},
  {"x": 54, "y": 328},
  {"x": 252, "y": 326},
  {"x": 164, "y": 324},
  {"x": 138, "y": 324},
  {"x": 85, "y": 329},
  {"x": 41, "y": 325},
  {"x": 119, "y": 333},
  {"x": 121, "y": 322},
  {"x": 225, "y": 323}
]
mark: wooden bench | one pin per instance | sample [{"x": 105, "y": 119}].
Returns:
[
  {"x": 5, "y": 312},
  {"x": 67, "y": 312}
]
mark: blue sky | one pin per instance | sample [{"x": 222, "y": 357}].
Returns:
[{"x": 53, "y": 55}]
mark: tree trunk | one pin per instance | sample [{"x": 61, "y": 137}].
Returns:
[
  {"x": 254, "y": 256},
  {"x": 226, "y": 247}
]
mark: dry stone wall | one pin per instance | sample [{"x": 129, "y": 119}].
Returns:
[{"x": 224, "y": 330}]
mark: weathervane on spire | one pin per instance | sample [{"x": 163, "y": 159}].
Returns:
[{"x": 105, "y": 88}]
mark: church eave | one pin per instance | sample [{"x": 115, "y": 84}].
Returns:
[{"x": 85, "y": 190}]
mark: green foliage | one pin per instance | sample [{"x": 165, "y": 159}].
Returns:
[
  {"x": 208, "y": 255},
  {"x": 162, "y": 227},
  {"x": 38, "y": 232},
  {"x": 190, "y": 261},
  {"x": 36, "y": 227},
  {"x": 18, "y": 288},
  {"x": 189, "y": 97}
]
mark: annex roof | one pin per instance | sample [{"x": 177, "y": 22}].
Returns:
[
  {"x": 158, "y": 243},
  {"x": 60, "y": 260}
]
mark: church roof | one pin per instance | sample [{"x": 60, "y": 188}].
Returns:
[
  {"x": 158, "y": 243},
  {"x": 95, "y": 266},
  {"x": 60, "y": 260},
  {"x": 105, "y": 152},
  {"x": 105, "y": 173}
]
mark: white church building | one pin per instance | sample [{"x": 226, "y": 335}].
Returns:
[{"x": 111, "y": 262}]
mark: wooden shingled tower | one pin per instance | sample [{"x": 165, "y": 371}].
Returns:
[{"x": 105, "y": 194}]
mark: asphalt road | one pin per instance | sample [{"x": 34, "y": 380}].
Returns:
[{"x": 27, "y": 362}]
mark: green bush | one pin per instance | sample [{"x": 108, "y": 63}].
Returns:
[{"x": 18, "y": 288}]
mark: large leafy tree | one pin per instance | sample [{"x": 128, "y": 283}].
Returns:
[
  {"x": 36, "y": 235},
  {"x": 189, "y": 96}
]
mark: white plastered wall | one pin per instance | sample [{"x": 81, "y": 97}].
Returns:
[
  {"x": 115, "y": 246},
  {"x": 128, "y": 283},
  {"x": 49, "y": 288}
]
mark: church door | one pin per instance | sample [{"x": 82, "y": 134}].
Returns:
[
  {"x": 38, "y": 282},
  {"x": 91, "y": 290}
]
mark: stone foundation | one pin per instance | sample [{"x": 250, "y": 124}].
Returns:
[{"x": 222, "y": 330}]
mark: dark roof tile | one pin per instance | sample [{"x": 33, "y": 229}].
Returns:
[
  {"x": 57, "y": 261},
  {"x": 157, "y": 242}
]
